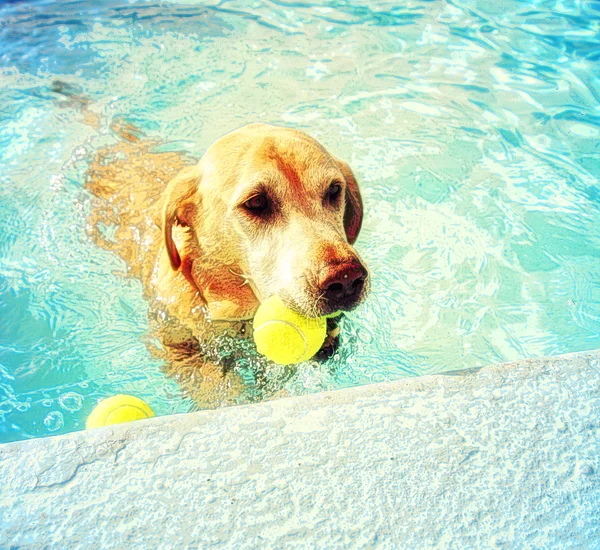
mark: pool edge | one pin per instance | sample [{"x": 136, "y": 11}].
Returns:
[{"x": 435, "y": 412}]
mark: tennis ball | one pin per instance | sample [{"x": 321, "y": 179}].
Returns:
[
  {"x": 118, "y": 409},
  {"x": 285, "y": 336}
]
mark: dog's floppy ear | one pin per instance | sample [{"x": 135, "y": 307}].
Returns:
[
  {"x": 179, "y": 207},
  {"x": 353, "y": 213}
]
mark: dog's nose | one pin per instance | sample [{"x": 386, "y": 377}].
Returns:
[{"x": 342, "y": 286}]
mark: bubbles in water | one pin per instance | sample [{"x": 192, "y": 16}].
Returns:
[
  {"x": 364, "y": 335},
  {"x": 6, "y": 407},
  {"x": 71, "y": 401},
  {"x": 54, "y": 421}
]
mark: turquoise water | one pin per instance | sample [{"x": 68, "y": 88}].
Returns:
[{"x": 473, "y": 127}]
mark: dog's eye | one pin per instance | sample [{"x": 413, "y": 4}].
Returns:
[
  {"x": 257, "y": 204},
  {"x": 334, "y": 191}
]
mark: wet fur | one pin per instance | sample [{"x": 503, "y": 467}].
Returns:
[{"x": 204, "y": 268}]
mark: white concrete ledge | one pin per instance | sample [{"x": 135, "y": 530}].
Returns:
[{"x": 502, "y": 456}]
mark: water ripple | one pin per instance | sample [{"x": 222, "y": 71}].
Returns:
[{"x": 473, "y": 127}]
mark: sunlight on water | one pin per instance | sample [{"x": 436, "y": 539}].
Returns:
[{"x": 473, "y": 127}]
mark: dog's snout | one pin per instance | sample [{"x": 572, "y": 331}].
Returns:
[{"x": 342, "y": 285}]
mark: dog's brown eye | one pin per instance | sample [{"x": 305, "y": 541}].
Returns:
[
  {"x": 257, "y": 204},
  {"x": 334, "y": 191}
]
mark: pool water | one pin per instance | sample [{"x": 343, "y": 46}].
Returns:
[{"x": 472, "y": 126}]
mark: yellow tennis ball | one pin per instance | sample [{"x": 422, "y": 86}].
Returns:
[
  {"x": 284, "y": 336},
  {"x": 118, "y": 409}
]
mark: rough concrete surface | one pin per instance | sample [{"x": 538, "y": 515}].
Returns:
[{"x": 505, "y": 456}]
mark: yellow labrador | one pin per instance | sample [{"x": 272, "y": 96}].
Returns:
[{"x": 267, "y": 210}]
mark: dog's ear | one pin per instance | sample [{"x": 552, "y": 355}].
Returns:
[
  {"x": 179, "y": 207},
  {"x": 353, "y": 212}
]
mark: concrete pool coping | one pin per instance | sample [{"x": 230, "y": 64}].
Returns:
[{"x": 505, "y": 455}]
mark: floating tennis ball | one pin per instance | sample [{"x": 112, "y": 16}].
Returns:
[
  {"x": 118, "y": 409},
  {"x": 284, "y": 336}
]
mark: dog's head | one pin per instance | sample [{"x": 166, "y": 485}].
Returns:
[{"x": 276, "y": 208}]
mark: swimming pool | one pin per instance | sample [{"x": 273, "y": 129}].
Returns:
[{"x": 474, "y": 128}]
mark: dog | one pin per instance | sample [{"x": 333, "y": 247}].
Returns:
[{"x": 267, "y": 210}]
